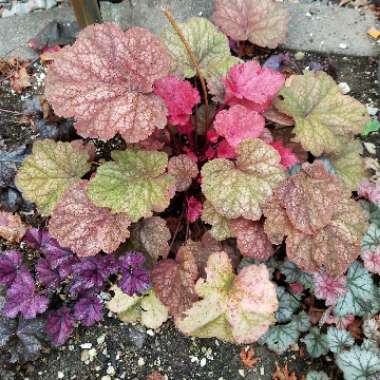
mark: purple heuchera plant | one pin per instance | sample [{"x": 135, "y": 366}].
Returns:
[
  {"x": 134, "y": 279},
  {"x": 46, "y": 275},
  {"x": 92, "y": 273},
  {"x": 10, "y": 266},
  {"x": 59, "y": 258},
  {"x": 59, "y": 325},
  {"x": 88, "y": 310},
  {"x": 23, "y": 297},
  {"x": 275, "y": 61}
]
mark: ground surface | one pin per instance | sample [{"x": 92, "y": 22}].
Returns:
[{"x": 122, "y": 351}]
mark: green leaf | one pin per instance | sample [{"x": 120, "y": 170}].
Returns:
[
  {"x": 358, "y": 364},
  {"x": 146, "y": 309},
  {"x": 239, "y": 189},
  {"x": 316, "y": 343},
  {"x": 51, "y": 169},
  {"x": 294, "y": 274},
  {"x": 371, "y": 126},
  {"x": 280, "y": 337},
  {"x": 209, "y": 46},
  {"x": 339, "y": 339},
  {"x": 220, "y": 229},
  {"x": 361, "y": 292},
  {"x": 288, "y": 304},
  {"x": 371, "y": 239},
  {"x": 233, "y": 308},
  {"x": 317, "y": 375},
  {"x": 135, "y": 183},
  {"x": 372, "y": 211},
  {"x": 349, "y": 164},
  {"x": 370, "y": 345},
  {"x": 322, "y": 114},
  {"x": 302, "y": 321}
]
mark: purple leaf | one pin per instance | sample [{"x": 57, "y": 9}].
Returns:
[
  {"x": 46, "y": 275},
  {"x": 88, "y": 310},
  {"x": 134, "y": 279},
  {"x": 92, "y": 272},
  {"x": 22, "y": 297},
  {"x": 274, "y": 61},
  {"x": 10, "y": 266},
  {"x": 59, "y": 326}
]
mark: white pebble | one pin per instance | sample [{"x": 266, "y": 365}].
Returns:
[
  {"x": 372, "y": 110},
  {"x": 106, "y": 377},
  {"x": 150, "y": 332},
  {"x": 343, "y": 46},
  {"x": 344, "y": 88},
  {"x": 86, "y": 346},
  {"x": 60, "y": 375},
  {"x": 141, "y": 362},
  {"x": 299, "y": 56},
  {"x": 101, "y": 339},
  {"x": 241, "y": 372},
  {"x": 111, "y": 371},
  {"x": 203, "y": 362}
]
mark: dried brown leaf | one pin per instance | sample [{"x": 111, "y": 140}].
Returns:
[
  {"x": 248, "y": 358},
  {"x": 20, "y": 80}
]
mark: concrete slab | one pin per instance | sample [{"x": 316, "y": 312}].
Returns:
[
  {"x": 312, "y": 27},
  {"x": 16, "y": 31}
]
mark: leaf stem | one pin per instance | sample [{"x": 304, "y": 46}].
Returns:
[{"x": 194, "y": 62}]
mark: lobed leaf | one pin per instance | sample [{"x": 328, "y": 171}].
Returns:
[
  {"x": 251, "y": 239},
  {"x": 154, "y": 235},
  {"x": 232, "y": 308},
  {"x": 134, "y": 183},
  {"x": 358, "y": 364},
  {"x": 49, "y": 171},
  {"x": 184, "y": 170},
  {"x": 322, "y": 114},
  {"x": 207, "y": 43},
  {"x": 317, "y": 375},
  {"x": 11, "y": 227},
  {"x": 339, "y": 340},
  {"x": 264, "y": 23},
  {"x": 86, "y": 229},
  {"x": 239, "y": 189},
  {"x": 288, "y": 304},
  {"x": 238, "y": 123},
  {"x": 280, "y": 337},
  {"x": 316, "y": 343},
  {"x": 220, "y": 229},
  {"x": 105, "y": 81}
]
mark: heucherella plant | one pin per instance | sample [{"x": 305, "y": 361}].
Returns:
[{"x": 228, "y": 206}]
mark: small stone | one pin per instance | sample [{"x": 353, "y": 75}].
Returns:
[
  {"x": 140, "y": 362},
  {"x": 111, "y": 371},
  {"x": 203, "y": 362},
  {"x": 262, "y": 371},
  {"x": 101, "y": 339},
  {"x": 86, "y": 346},
  {"x": 299, "y": 56},
  {"x": 241, "y": 372},
  {"x": 372, "y": 110},
  {"x": 106, "y": 377},
  {"x": 84, "y": 355},
  {"x": 150, "y": 332},
  {"x": 344, "y": 88},
  {"x": 308, "y": 14},
  {"x": 343, "y": 46},
  {"x": 60, "y": 375}
]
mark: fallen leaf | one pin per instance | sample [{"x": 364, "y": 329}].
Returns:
[
  {"x": 20, "y": 80},
  {"x": 373, "y": 33},
  {"x": 283, "y": 373},
  {"x": 248, "y": 358},
  {"x": 11, "y": 227}
]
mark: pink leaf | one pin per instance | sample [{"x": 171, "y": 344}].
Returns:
[
  {"x": 296, "y": 288},
  {"x": 262, "y": 22},
  {"x": 288, "y": 158},
  {"x": 238, "y": 123},
  {"x": 370, "y": 191},
  {"x": 86, "y": 229},
  {"x": 194, "y": 209},
  {"x": 252, "y": 86},
  {"x": 329, "y": 288},
  {"x": 251, "y": 239},
  {"x": 224, "y": 150},
  {"x": 105, "y": 81},
  {"x": 179, "y": 96},
  {"x": 371, "y": 259}
]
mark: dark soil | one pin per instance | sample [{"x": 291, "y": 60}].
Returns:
[{"x": 122, "y": 351}]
